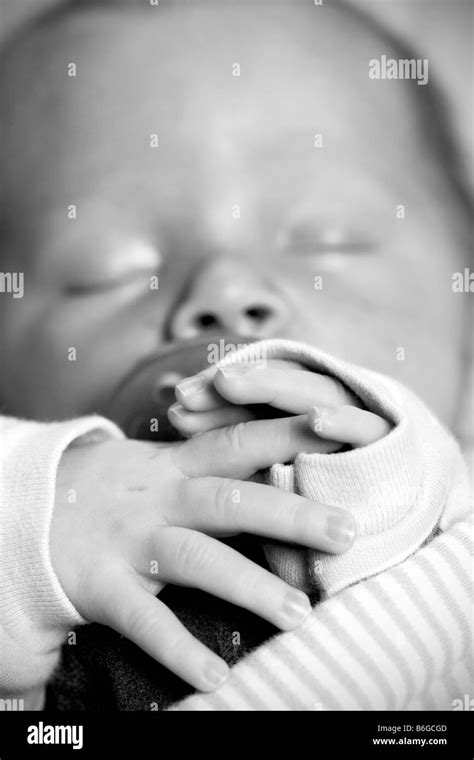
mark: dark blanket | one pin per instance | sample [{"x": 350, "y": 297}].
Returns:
[{"x": 103, "y": 671}]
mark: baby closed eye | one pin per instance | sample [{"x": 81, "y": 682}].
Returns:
[
  {"x": 317, "y": 239},
  {"x": 112, "y": 268},
  {"x": 133, "y": 280}
]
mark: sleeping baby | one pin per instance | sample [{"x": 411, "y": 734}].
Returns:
[{"x": 179, "y": 177}]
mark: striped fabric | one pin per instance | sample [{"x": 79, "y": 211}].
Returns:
[
  {"x": 399, "y": 641},
  {"x": 401, "y": 638}
]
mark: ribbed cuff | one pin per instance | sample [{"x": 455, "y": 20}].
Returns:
[
  {"x": 382, "y": 484},
  {"x": 36, "y": 614}
]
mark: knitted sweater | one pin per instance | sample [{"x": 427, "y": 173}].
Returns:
[{"x": 393, "y": 631}]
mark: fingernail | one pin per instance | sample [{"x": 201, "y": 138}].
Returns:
[
  {"x": 177, "y": 410},
  {"x": 235, "y": 371},
  {"x": 191, "y": 386},
  {"x": 296, "y": 608},
  {"x": 216, "y": 674},
  {"x": 318, "y": 417},
  {"x": 341, "y": 529}
]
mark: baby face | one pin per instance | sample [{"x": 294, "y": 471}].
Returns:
[{"x": 245, "y": 159}]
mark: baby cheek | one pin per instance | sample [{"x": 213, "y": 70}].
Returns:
[{"x": 104, "y": 344}]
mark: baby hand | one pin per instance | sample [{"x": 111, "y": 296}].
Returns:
[
  {"x": 232, "y": 394},
  {"x": 147, "y": 514}
]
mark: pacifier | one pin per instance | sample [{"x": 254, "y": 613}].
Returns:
[{"x": 141, "y": 402}]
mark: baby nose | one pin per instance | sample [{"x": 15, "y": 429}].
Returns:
[{"x": 226, "y": 301}]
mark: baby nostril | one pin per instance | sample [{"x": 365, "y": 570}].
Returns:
[
  {"x": 205, "y": 320},
  {"x": 258, "y": 313}
]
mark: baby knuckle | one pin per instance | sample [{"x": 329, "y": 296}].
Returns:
[
  {"x": 140, "y": 626},
  {"x": 174, "y": 649},
  {"x": 251, "y": 583},
  {"x": 235, "y": 436},
  {"x": 297, "y": 517},
  {"x": 227, "y": 503},
  {"x": 251, "y": 586},
  {"x": 223, "y": 495},
  {"x": 193, "y": 553}
]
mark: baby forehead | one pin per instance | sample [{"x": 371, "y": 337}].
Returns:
[
  {"x": 276, "y": 37},
  {"x": 209, "y": 83},
  {"x": 299, "y": 60}
]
